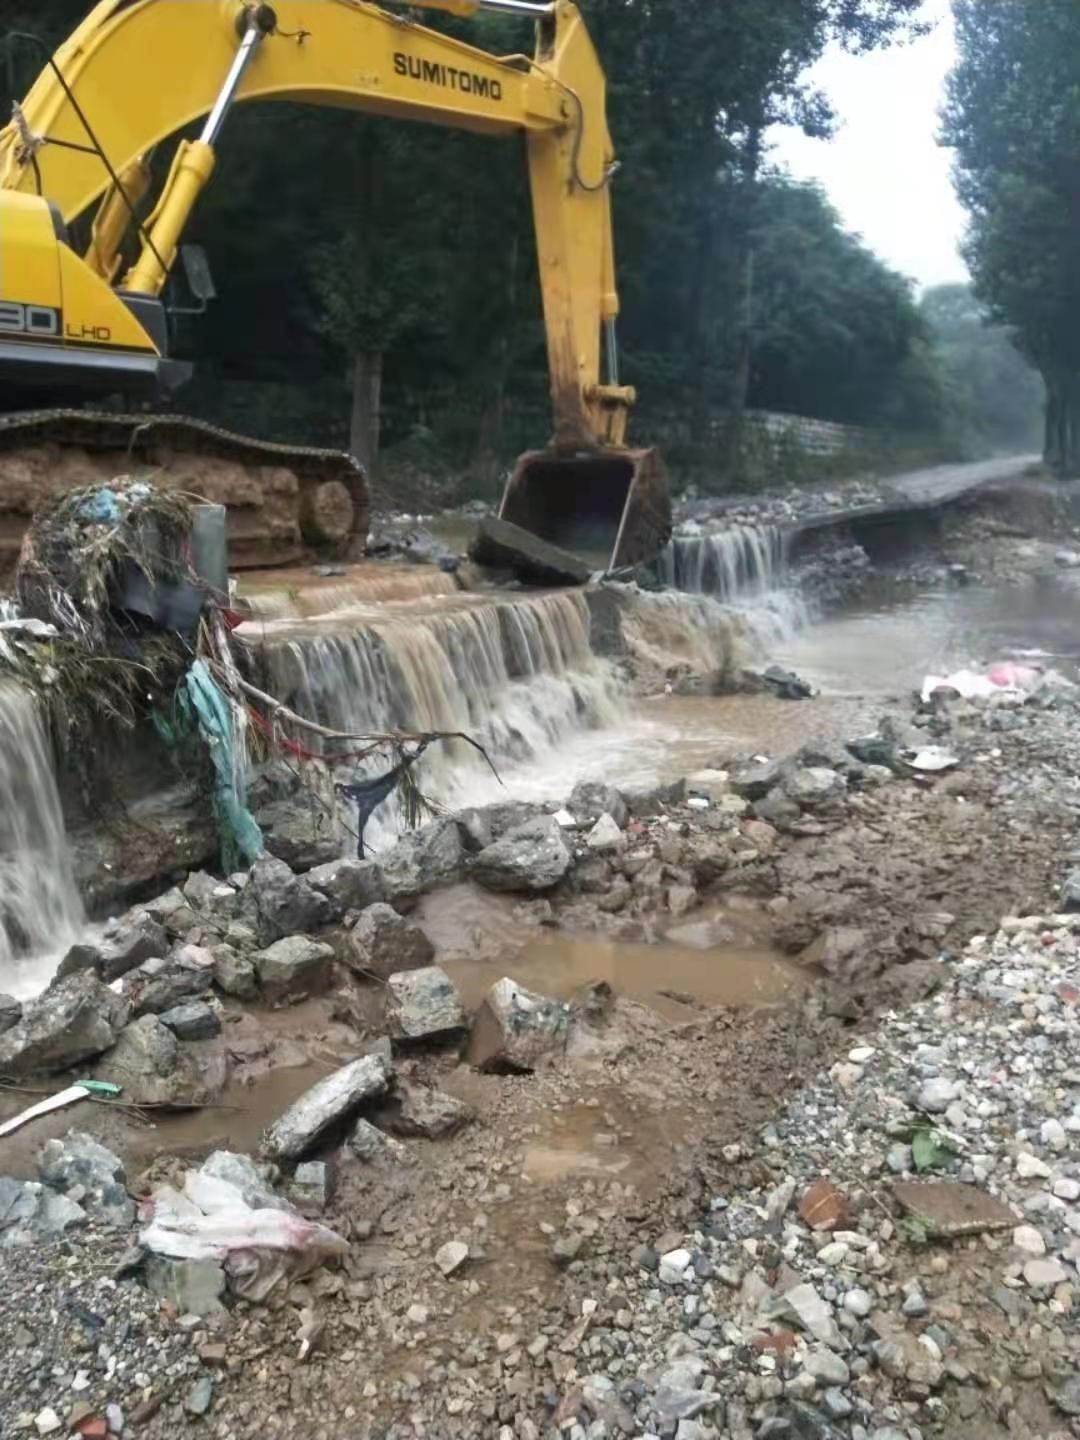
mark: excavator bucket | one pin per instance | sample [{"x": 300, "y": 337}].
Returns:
[{"x": 611, "y": 507}]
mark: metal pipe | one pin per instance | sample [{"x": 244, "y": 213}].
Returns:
[
  {"x": 612, "y": 347},
  {"x": 241, "y": 60}
]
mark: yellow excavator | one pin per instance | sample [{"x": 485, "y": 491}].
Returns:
[{"x": 89, "y": 321}]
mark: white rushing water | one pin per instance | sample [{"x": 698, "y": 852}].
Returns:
[
  {"x": 744, "y": 567},
  {"x": 40, "y": 910}
]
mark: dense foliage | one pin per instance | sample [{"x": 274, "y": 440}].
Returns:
[
  {"x": 1014, "y": 117},
  {"x": 377, "y": 273}
]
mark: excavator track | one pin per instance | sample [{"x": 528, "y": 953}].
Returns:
[{"x": 284, "y": 503}]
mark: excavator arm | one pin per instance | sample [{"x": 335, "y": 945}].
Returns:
[{"x": 136, "y": 72}]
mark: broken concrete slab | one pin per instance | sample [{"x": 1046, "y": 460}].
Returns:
[
  {"x": 516, "y": 1029},
  {"x": 499, "y": 545},
  {"x": 422, "y": 1004},
  {"x": 946, "y": 1208},
  {"x": 332, "y": 1100},
  {"x": 382, "y": 943},
  {"x": 292, "y": 967}
]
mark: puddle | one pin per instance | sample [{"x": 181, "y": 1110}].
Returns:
[{"x": 674, "y": 980}]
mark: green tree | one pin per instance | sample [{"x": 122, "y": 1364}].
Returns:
[
  {"x": 1013, "y": 116},
  {"x": 998, "y": 395}
]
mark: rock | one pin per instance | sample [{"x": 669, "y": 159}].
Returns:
[
  {"x": 423, "y": 1003},
  {"x": 195, "y": 1287},
  {"x": 858, "y": 1303},
  {"x": 293, "y": 967},
  {"x": 605, "y": 836},
  {"x": 75, "y": 1019},
  {"x": 681, "y": 899},
  {"x": 777, "y": 809},
  {"x": 1028, "y": 1239},
  {"x": 1040, "y": 1274},
  {"x": 79, "y": 1163},
  {"x": 516, "y": 1029},
  {"x": 234, "y": 974},
  {"x": 936, "y": 1095},
  {"x": 566, "y": 1249},
  {"x": 144, "y": 1063},
  {"x": 200, "y": 1396},
  {"x": 193, "y": 1021},
  {"x": 499, "y": 545},
  {"x": 349, "y": 884},
  {"x": 1052, "y": 1134},
  {"x": 1066, "y": 1395},
  {"x": 171, "y": 911},
  {"x": 591, "y": 800},
  {"x": 211, "y": 897},
  {"x": 382, "y": 943},
  {"x": 814, "y": 786},
  {"x": 301, "y": 834},
  {"x": 31, "y": 1213},
  {"x": 824, "y": 1206},
  {"x": 423, "y": 860},
  {"x": 242, "y": 1172},
  {"x": 1030, "y": 1167},
  {"x": 674, "y": 1266},
  {"x": 312, "y": 1187},
  {"x": 914, "y": 1300},
  {"x": 658, "y": 800},
  {"x": 276, "y": 903},
  {"x": 529, "y": 859},
  {"x": 804, "y": 1307},
  {"x": 128, "y": 943},
  {"x": 334, "y": 1099},
  {"x": 161, "y": 985},
  {"x": 945, "y": 1208},
  {"x": 825, "y": 1367},
  {"x": 451, "y": 1256},
  {"x": 427, "y": 1112},
  {"x": 10, "y": 1012},
  {"x": 753, "y": 779},
  {"x": 1066, "y": 1189},
  {"x": 370, "y": 1144},
  {"x": 47, "y": 1422}
]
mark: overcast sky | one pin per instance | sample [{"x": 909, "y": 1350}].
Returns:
[{"x": 883, "y": 171}]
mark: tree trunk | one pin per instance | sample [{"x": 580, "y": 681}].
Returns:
[
  {"x": 366, "y": 397},
  {"x": 1061, "y": 451},
  {"x": 744, "y": 328}
]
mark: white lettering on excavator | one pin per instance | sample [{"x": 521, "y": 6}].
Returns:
[
  {"x": 432, "y": 73},
  {"x": 18, "y": 319}
]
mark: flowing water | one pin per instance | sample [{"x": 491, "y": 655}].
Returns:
[{"x": 40, "y": 910}]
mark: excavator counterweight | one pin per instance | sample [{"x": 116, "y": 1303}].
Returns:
[{"x": 78, "y": 325}]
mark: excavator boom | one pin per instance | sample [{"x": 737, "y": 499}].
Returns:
[{"x": 136, "y": 72}]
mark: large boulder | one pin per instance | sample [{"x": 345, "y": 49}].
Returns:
[
  {"x": 348, "y": 884},
  {"x": 382, "y": 943},
  {"x": 332, "y": 1100},
  {"x": 78, "y": 1164},
  {"x": 75, "y": 1019},
  {"x": 590, "y": 800},
  {"x": 753, "y": 779},
  {"x": 299, "y": 833},
  {"x": 529, "y": 859},
  {"x": 423, "y": 860},
  {"x": 215, "y": 899},
  {"x": 234, "y": 974},
  {"x": 516, "y": 1029},
  {"x": 482, "y": 825},
  {"x": 152, "y": 1068},
  {"x": 194, "y": 1020},
  {"x": 293, "y": 967},
  {"x": 814, "y": 786},
  {"x": 30, "y": 1213},
  {"x": 421, "y": 1004},
  {"x": 276, "y": 903},
  {"x": 126, "y": 944},
  {"x": 172, "y": 911}
]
